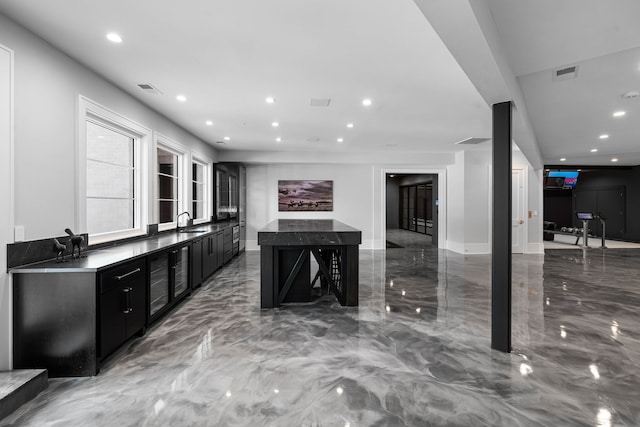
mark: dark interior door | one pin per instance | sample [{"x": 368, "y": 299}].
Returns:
[{"x": 610, "y": 202}]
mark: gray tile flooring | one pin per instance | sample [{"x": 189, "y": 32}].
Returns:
[{"x": 414, "y": 353}]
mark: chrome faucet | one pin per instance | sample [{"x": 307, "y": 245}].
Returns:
[{"x": 178, "y": 219}]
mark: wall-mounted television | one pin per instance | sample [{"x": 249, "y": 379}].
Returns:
[{"x": 561, "y": 179}]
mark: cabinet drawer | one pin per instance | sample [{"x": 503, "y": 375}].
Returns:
[
  {"x": 131, "y": 272},
  {"x": 228, "y": 234}
]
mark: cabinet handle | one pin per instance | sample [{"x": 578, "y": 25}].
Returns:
[
  {"x": 128, "y": 274},
  {"x": 127, "y": 292}
]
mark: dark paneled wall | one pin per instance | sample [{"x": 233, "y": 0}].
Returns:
[
  {"x": 627, "y": 178},
  {"x": 559, "y": 204},
  {"x": 558, "y": 207},
  {"x": 393, "y": 203}
]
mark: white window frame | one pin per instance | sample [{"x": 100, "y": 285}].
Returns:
[
  {"x": 92, "y": 111},
  {"x": 206, "y": 173},
  {"x": 184, "y": 178}
]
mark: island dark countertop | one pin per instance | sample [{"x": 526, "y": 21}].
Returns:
[{"x": 305, "y": 232}]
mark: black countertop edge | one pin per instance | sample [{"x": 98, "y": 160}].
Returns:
[{"x": 107, "y": 255}]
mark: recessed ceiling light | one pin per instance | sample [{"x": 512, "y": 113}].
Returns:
[
  {"x": 340, "y": 140},
  {"x": 593, "y": 150},
  {"x": 350, "y": 125},
  {"x": 114, "y": 37},
  {"x": 275, "y": 124},
  {"x": 614, "y": 160},
  {"x": 563, "y": 159},
  {"x": 226, "y": 138},
  {"x": 366, "y": 102},
  {"x": 278, "y": 139},
  {"x": 209, "y": 123},
  {"x": 181, "y": 98},
  {"x": 619, "y": 113},
  {"x": 604, "y": 136},
  {"x": 270, "y": 100},
  {"x": 579, "y": 170}
]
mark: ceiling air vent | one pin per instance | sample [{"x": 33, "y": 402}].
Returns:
[
  {"x": 313, "y": 139},
  {"x": 320, "y": 102},
  {"x": 472, "y": 141},
  {"x": 149, "y": 88},
  {"x": 565, "y": 73}
]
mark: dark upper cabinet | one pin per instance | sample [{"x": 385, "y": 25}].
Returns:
[
  {"x": 242, "y": 205},
  {"x": 225, "y": 192},
  {"x": 230, "y": 199}
]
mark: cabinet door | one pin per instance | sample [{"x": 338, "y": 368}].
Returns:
[
  {"x": 137, "y": 306},
  {"x": 158, "y": 283},
  {"x": 219, "y": 249},
  {"x": 181, "y": 271},
  {"x": 122, "y": 304},
  {"x": 209, "y": 256},
  {"x": 113, "y": 326},
  {"x": 197, "y": 263}
]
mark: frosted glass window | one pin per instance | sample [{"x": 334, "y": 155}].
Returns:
[
  {"x": 168, "y": 185},
  {"x": 110, "y": 180}
]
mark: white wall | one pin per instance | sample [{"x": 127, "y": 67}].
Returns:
[
  {"x": 469, "y": 202},
  {"x": 456, "y": 206},
  {"x": 468, "y": 222},
  {"x": 47, "y": 87},
  {"x": 6, "y": 194},
  {"x": 477, "y": 182},
  {"x": 535, "y": 202},
  {"x": 352, "y": 196}
]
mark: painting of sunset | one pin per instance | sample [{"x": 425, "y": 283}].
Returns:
[{"x": 305, "y": 196}]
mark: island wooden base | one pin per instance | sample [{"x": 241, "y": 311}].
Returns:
[{"x": 285, "y": 273}]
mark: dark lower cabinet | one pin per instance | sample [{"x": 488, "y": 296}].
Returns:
[
  {"x": 197, "y": 262},
  {"x": 69, "y": 322},
  {"x": 123, "y": 303},
  {"x": 168, "y": 279},
  {"x": 212, "y": 253},
  {"x": 179, "y": 259},
  {"x": 227, "y": 245}
]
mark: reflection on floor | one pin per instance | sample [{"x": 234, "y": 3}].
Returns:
[
  {"x": 415, "y": 353},
  {"x": 407, "y": 239},
  {"x": 561, "y": 241}
]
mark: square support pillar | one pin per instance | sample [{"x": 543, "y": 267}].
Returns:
[{"x": 501, "y": 238}]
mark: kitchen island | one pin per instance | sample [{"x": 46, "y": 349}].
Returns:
[{"x": 286, "y": 247}]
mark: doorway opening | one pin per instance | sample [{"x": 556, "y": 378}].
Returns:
[{"x": 411, "y": 206}]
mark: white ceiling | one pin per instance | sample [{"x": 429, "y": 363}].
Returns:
[
  {"x": 603, "y": 40},
  {"x": 228, "y": 56}
]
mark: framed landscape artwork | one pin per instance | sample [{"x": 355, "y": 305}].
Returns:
[{"x": 303, "y": 195}]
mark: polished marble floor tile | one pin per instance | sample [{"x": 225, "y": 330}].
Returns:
[{"x": 416, "y": 352}]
